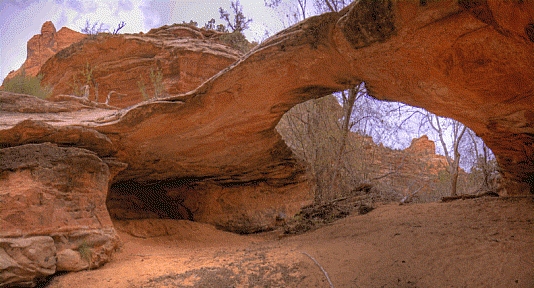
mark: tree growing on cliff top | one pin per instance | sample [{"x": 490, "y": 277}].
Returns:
[
  {"x": 239, "y": 23},
  {"x": 100, "y": 27}
]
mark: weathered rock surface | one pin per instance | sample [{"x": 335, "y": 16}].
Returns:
[
  {"x": 22, "y": 260},
  {"x": 54, "y": 196},
  {"x": 43, "y": 46},
  {"x": 240, "y": 208},
  {"x": 186, "y": 56},
  {"x": 463, "y": 60}
]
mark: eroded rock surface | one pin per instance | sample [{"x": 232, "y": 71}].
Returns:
[
  {"x": 23, "y": 260},
  {"x": 463, "y": 60},
  {"x": 128, "y": 64},
  {"x": 53, "y": 199}
]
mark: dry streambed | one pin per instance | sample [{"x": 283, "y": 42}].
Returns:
[{"x": 486, "y": 242}]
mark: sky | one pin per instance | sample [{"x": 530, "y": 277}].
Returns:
[{"x": 21, "y": 19}]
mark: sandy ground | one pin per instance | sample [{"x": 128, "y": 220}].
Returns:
[{"x": 486, "y": 242}]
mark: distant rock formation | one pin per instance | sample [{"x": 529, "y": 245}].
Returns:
[
  {"x": 422, "y": 146},
  {"x": 416, "y": 168},
  {"x": 45, "y": 45}
]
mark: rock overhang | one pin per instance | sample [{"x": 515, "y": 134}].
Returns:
[
  {"x": 215, "y": 148},
  {"x": 429, "y": 56}
]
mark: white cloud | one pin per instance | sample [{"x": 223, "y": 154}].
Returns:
[{"x": 125, "y": 5}]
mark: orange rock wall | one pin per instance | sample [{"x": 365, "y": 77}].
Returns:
[{"x": 185, "y": 56}]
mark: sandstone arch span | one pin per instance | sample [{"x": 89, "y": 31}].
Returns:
[
  {"x": 465, "y": 61},
  {"x": 457, "y": 59}
]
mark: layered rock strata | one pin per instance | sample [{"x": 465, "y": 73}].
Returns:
[
  {"x": 135, "y": 67},
  {"x": 53, "y": 214}
]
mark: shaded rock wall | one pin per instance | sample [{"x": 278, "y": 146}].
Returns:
[{"x": 240, "y": 208}]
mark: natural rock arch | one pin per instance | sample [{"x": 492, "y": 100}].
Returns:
[
  {"x": 469, "y": 61},
  {"x": 450, "y": 58},
  {"x": 456, "y": 59}
]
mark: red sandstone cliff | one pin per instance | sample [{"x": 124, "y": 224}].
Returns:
[{"x": 185, "y": 56}]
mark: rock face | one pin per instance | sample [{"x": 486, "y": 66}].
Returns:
[
  {"x": 463, "y": 60},
  {"x": 416, "y": 170},
  {"x": 53, "y": 200},
  {"x": 43, "y": 46},
  {"x": 422, "y": 146},
  {"x": 237, "y": 207},
  {"x": 129, "y": 64},
  {"x": 22, "y": 260}
]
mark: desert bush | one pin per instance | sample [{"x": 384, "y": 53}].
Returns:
[
  {"x": 237, "y": 41},
  {"x": 84, "y": 77},
  {"x": 99, "y": 27},
  {"x": 26, "y": 84},
  {"x": 142, "y": 88},
  {"x": 156, "y": 78}
]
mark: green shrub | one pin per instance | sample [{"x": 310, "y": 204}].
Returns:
[
  {"x": 156, "y": 78},
  {"x": 25, "y": 84},
  {"x": 86, "y": 253},
  {"x": 237, "y": 41}
]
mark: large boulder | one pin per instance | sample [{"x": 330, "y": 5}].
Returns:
[
  {"x": 25, "y": 260},
  {"x": 53, "y": 206}
]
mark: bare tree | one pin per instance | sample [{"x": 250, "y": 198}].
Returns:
[
  {"x": 323, "y": 6},
  {"x": 240, "y": 22},
  {"x": 453, "y": 156},
  {"x": 100, "y": 27},
  {"x": 349, "y": 98},
  {"x": 119, "y": 27},
  {"x": 484, "y": 165},
  {"x": 292, "y": 10}
]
